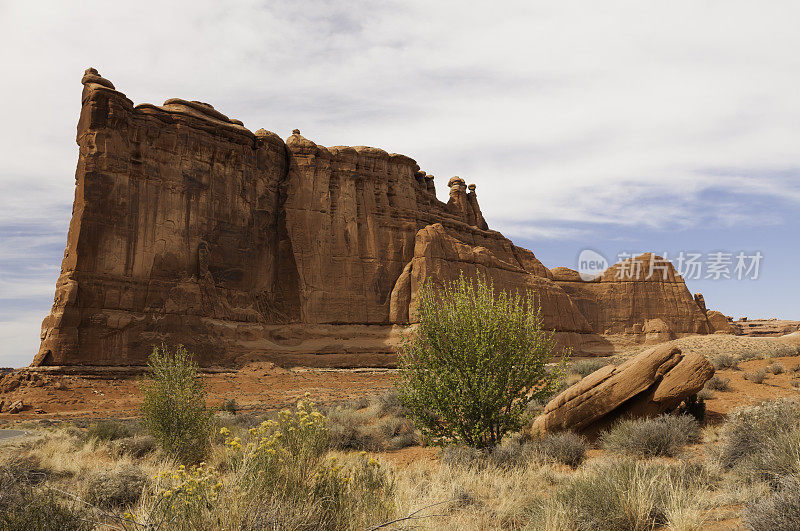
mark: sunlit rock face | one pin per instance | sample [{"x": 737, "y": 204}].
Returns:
[{"x": 188, "y": 228}]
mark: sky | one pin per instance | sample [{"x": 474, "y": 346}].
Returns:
[{"x": 614, "y": 126}]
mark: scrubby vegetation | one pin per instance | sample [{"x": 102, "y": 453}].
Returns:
[
  {"x": 474, "y": 362},
  {"x": 718, "y": 383},
  {"x": 776, "y": 368},
  {"x": 725, "y": 361},
  {"x": 565, "y": 448},
  {"x": 108, "y": 430},
  {"x": 662, "y": 436},
  {"x": 778, "y": 511},
  {"x": 174, "y": 407},
  {"x": 762, "y": 442},
  {"x": 286, "y": 470},
  {"x": 626, "y": 495},
  {"x": 372, "y": 424},
  {"x": 584, "y": 368},
  {"x": 756, "y": 377}
]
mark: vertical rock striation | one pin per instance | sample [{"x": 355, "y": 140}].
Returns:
[{"x": 189, "y": 228}]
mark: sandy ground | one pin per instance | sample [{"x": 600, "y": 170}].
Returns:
[
  {"x": 264, "y": 386},
  {"x": 256, "y": 387}
]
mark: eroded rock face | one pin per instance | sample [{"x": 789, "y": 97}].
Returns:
[
  {"x": 653, "y": 382},
  {"x": 190, "y": 229},
  {"x": 440, "y": 256}
]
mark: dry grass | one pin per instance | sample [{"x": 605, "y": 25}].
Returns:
[
  {"x": 524, "y": 484},
  {"x": 662, "y": 436},
  {"x": 729, "y": 347},
  {"x": 371, "y": 424},
  {"x": 474, "y": 498}
]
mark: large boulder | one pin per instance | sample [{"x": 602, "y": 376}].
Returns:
[{"x": 653, "y": 382}]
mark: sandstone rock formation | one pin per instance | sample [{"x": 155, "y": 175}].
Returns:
[
  {"x": 653, "y": 382},
  {"x": 719, "y": 323},
  {"x": 764, "y": 327},
  {"x": 188, "y": 228}
]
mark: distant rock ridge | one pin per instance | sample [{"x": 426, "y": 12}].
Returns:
[{"x": 188, "y": 228}]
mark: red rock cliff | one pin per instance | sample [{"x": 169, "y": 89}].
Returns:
[{"x": 188, "y": 228}]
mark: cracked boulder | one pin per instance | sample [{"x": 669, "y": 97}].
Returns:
[{"x": 653, "y": 382}]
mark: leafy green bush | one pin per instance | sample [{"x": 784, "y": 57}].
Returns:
[
  {"x": 174, "y": 408},
  {"x": 661, "y": 436},
  {"x": 473, "y": 362},
  {"x": 762, "y": 442},
  {"x": 779, "y": 511},
  {"x": 107, "y": 430},
  {"x": 625, "y": 495},
  {"x": 117, "y": 488}
]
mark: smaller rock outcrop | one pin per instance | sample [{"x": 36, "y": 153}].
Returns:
[
  {"x": 16, "y": 407},
  {"x": 719, "y": 323},
  {"x": 764, "y": 327},
  {"x": 654, "y": 382}
]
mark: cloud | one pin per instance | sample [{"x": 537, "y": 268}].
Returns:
[{"x": 571, "y": 117}]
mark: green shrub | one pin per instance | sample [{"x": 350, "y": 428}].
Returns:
[
  {"x": 718, "y": 383},
  {"x": 117, "y": 488},
  {"x": 173, "y": 406},
  {"x": 470, "y": 367},
  {"x": 779, "y": 511},
  {"x": 661, "y": 436},
  {"x": 587, "y": 367},
  {"x": 625, "y": 495},
  {"x": 724, "y": 361},
  {"x": 756, "y": 377},
  {"x": 762, "y": 442},
  {"x": 107, "y": 430}
]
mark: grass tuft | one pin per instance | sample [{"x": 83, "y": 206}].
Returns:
[{"x": 662, "y": 436}]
